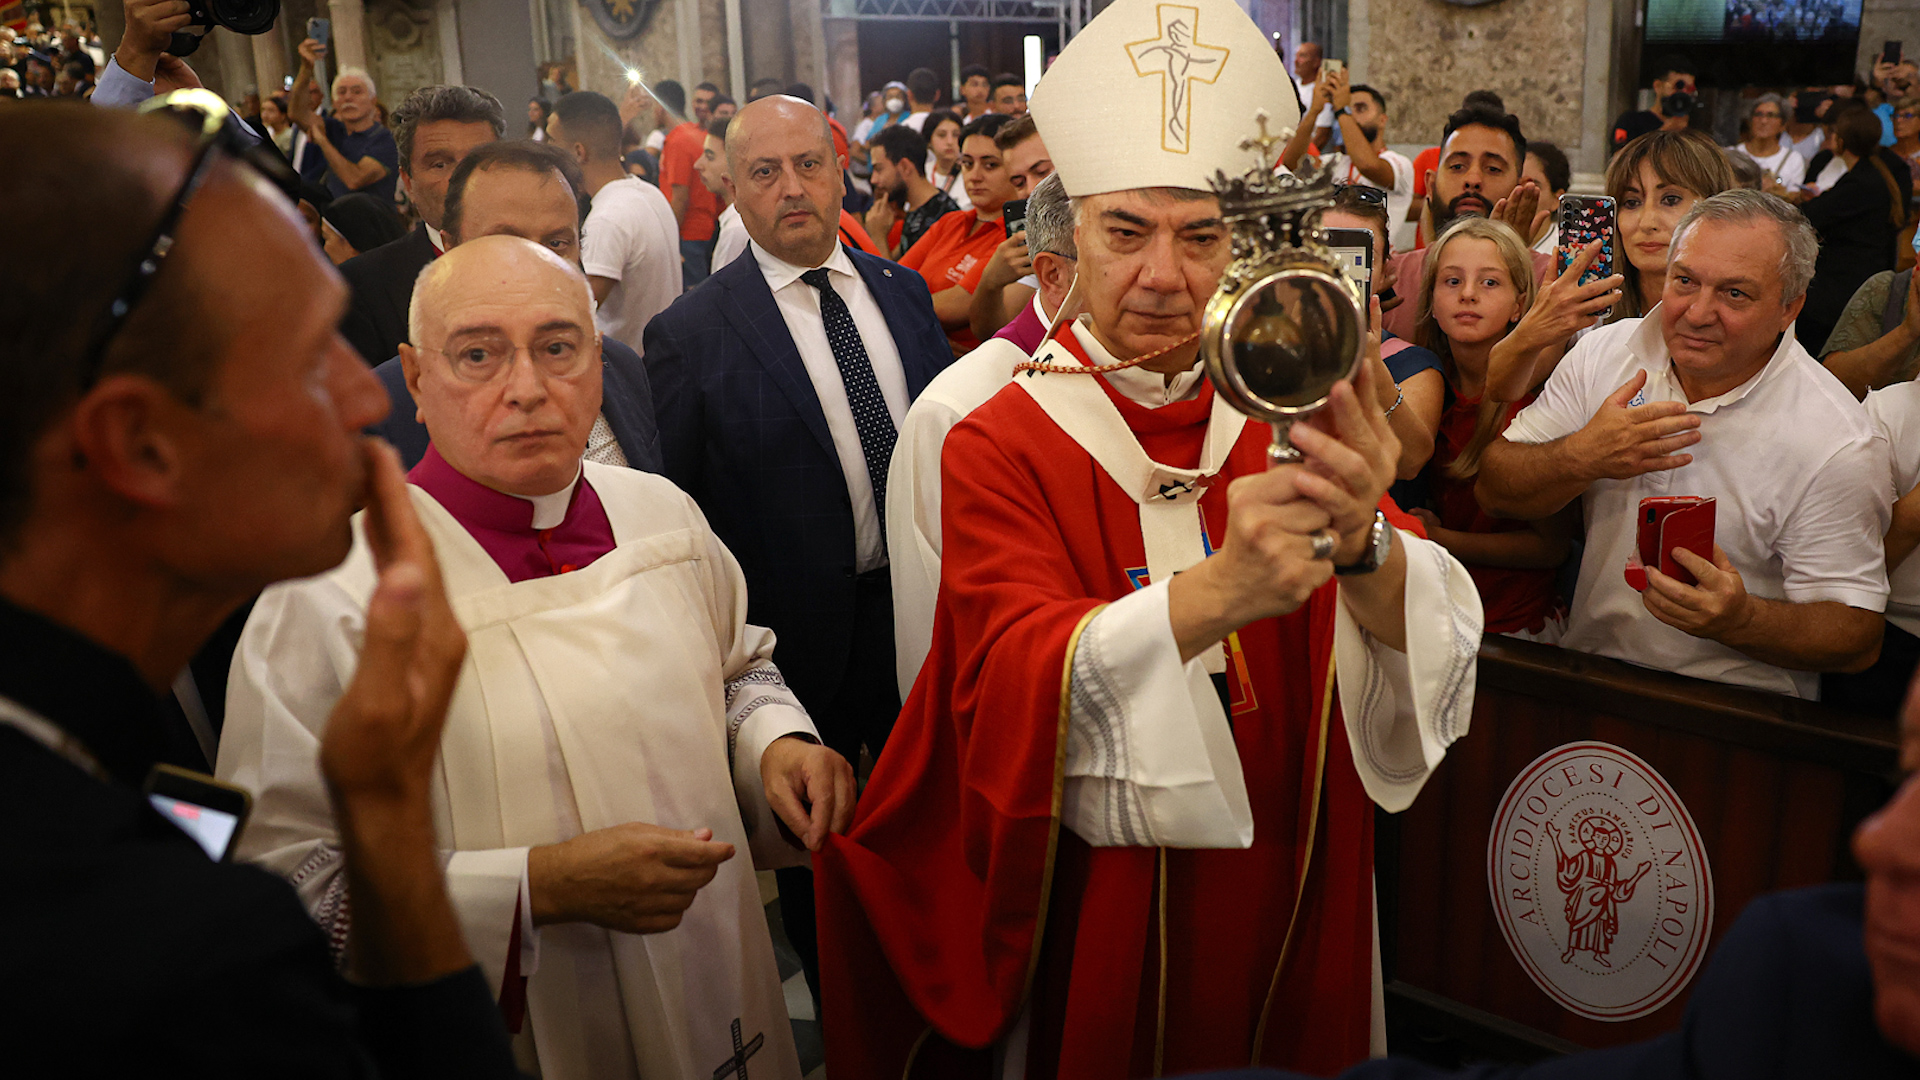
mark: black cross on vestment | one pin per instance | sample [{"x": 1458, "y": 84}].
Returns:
[{"x": 736, "y": 1066}]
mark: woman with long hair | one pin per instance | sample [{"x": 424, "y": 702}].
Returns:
[
  {"x": 1476, "y": 284},
  {"x": 538, "y": 110},
  {"x": 942, "y": 130},
  {"x": 1654, "y": 180}
]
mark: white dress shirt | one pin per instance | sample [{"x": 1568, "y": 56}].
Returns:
[
  {"x": 800, "y": 306},
  {"x": 1801, "y": 478}
]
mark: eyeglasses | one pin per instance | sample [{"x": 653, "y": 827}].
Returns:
[
  {"x": 1908, "y": 115},
  {"x": 1366, "y": 194},
  {"x": 484, "y": 359},
  {"x": 208, "y": 117}
]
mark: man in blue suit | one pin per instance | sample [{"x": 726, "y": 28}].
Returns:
[
  {"x": 531, "y": 191},
  {"x": 779, "y": 384}
]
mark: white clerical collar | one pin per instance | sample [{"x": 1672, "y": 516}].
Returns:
[
  {"x": 1138, "y": 385},
  {"x": 780, "y": 273},
  {"x": 550, "y": 510}
]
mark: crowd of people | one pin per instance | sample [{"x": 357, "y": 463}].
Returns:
[{"x": 756, "y": 493}]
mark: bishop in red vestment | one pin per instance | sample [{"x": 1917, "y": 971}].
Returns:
[{"x": 1118, "y": 832}]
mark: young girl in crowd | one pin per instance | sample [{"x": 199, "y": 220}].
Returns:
[
  {"x": 1477, "y": 283},
  {"x": 942, "y": 129}
]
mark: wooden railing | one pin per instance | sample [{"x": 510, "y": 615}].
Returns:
[{"x": 1774, "y": 784}]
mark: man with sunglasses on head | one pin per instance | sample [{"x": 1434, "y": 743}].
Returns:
[{"x": 176, "y": 438}]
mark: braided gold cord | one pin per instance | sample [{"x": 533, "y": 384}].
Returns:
[{"x": 1118, "y": 365}]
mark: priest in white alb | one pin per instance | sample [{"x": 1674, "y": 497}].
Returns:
[
  {"x": 1124, "y": 824},
  {"x": 619, "y": 738}
]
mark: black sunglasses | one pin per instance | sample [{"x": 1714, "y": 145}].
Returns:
[
  {"x": 214, "y": 128},
  {"x": 1363, "y": 192}
]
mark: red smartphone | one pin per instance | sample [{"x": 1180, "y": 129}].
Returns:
[{"x": 1667, "y": 522}]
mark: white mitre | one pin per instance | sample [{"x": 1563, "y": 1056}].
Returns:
[{"x": 1160, "y": 95}]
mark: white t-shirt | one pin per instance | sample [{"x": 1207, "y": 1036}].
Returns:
[
  {"x": 1808, "y": 146},
  {"x": 1895, "y": 410},
  {"x": 1829, "y": 176},
  {"x": 1800, "y": 475},
  {"x": 656, "y": 140},
  {"x": 1399, "y": 194},
  {"x": 729, "y": 237},
  {"x": 631, "y": 236},
  {"x": 1325, "y": 119},
  {"x": 1784, "y": 163}
]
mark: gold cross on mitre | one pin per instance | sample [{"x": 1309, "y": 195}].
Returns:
[
  {"x": 1265, "y": 145},
  {"x": 1178, "y": 58}
]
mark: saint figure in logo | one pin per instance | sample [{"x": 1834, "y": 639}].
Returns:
[{"x": 1590, "y": 879}]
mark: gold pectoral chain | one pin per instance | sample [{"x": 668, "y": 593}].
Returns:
[{"x": 1118, "y": 365}]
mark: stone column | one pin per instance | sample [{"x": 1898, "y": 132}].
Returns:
[
  {"x": 843, "y": 68},
  {"x": 349, "y": 48},
  {"x": 270, "y": 60}
]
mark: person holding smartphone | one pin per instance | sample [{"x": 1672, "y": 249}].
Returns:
[{"x": 1711, "y": 396}]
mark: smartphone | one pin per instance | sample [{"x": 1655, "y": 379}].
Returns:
[
  {"x": 1353, "y": 253},
  {"x": 1584, "y": 219},
  {"x": 209, "y": 811},
  {"x": 1806, "y": 106},
  {"x": 1890, "y": 52},
  {"x": 320, "y": 30},
  {"x": 1335, "y": 66},
  {"x": 1014, "y": 215},
  {"x": 1667, "y": 522}
]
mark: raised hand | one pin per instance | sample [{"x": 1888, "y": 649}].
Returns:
[{"x": 1623, "y": 441}]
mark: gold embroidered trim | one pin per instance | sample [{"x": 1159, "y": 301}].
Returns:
[{"x": 1306, "y": 863}]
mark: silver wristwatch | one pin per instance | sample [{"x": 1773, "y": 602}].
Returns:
[{"x": 1379, "y": 546}]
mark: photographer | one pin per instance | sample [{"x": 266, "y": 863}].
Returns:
[
  {"x": 178, "y": 436},
  {"x": 1709, "y": 395},
  {"x": 1675, "y": 93}
]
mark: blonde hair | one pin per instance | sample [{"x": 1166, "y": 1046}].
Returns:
[{"x": 1427, "y": 333}]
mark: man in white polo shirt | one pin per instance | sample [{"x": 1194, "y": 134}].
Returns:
[{"x": 1802, "y": 479}]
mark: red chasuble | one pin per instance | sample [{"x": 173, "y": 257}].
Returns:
[{"x": 956, "y": 898}]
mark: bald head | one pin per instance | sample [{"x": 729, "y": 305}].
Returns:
[
  {"x": 504, "y": 365},
  {"x": 786, "y": 178},
  {"x": 774, "y": 112},
  {"x": 481, "y": 264}
]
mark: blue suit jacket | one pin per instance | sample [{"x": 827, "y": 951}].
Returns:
[
  {"x": 625, "y": 400},
  {"x": 1787, "y": 994},
  {"x": 742, "y": 431}
]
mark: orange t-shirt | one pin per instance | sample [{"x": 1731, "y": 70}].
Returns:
[
  {"x": 683, "y": 148},
  {"x": 954, "y": 252},
  {"x": 853, "y": 232}
]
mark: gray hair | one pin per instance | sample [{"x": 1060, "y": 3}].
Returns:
[
  {"x": 1741, "y": 206},
  {"x": 355, "y": 73},
  {"x": 463, "y": 104},
  {"x": 1050, "y": 218},
  {"x": 1774, "y": 100}
]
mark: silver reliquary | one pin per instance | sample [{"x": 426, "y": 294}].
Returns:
[{"x": 1286, "y": 324}]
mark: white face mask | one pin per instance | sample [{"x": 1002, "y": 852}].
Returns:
[{"x": 895, "y": 104}]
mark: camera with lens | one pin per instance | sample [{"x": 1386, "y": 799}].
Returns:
[{"x": 239, "y": 16}]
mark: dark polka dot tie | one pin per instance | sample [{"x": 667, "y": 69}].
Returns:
[{"x": 870, "y": 416}]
